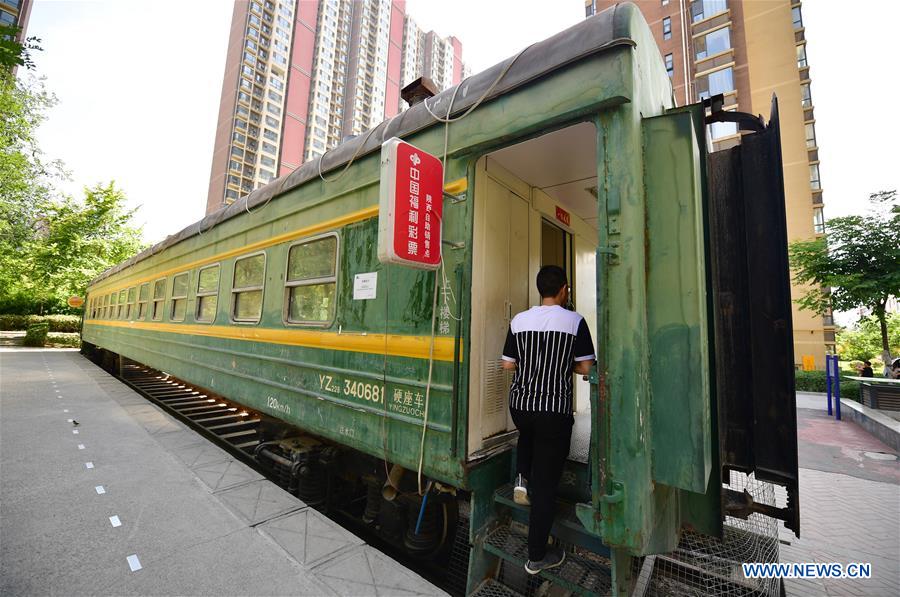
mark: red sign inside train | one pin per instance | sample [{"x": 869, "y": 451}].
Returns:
[
  {"x": 410, "y": 206},
  {"x": 563, "y": 216}
]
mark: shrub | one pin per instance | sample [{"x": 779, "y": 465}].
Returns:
[
  {"x": 36, "y": 335},
  {"x": 58, "y": 323},
  {"x": 64, "y": 340},
  {"x": 815, "y": 381}
]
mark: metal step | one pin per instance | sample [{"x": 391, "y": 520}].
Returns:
[
  {"x": 492, "y": 588},
  {"x": 584, "y": 574},
  {"x": 566, "y": 525}
]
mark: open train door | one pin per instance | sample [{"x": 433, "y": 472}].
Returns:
[{"x": 754, "y": 356}]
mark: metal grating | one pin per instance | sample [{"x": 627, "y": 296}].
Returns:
[
  {"x": 495, "y": 390},
  {"x": 457, "y": 569},
  {"x": 492, "y": 588},
  {"x": 581, "y": 572},
  {"x": 707, "y": 566},
  {"x": 579, "y": 447}
]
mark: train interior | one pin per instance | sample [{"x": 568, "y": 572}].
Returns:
[{"x": 535, "y": 205}]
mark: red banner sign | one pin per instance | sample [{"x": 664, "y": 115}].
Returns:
[
  {"x": 411, "y": 206},
  {"x": 563, "y": 216}
]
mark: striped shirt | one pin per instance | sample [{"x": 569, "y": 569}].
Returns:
[{"x": 545, "y": 342}]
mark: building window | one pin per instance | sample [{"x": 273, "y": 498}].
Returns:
[
  {"x": 143, "y": 299},
  {"x": 247, "y": 288},
  {"x": 590, "y": 8},
  {"x": 805, "y": 95},
  {"x": 670, "y": 65},
  {"x": 664, "y": 2},
  {"x": 159, "y": 297},
  {"x": 797, "y": 17},
  {"x": 811, "y": 135},
  {"x": 667, "y": 28},
  {"x": 818, "y": 220},
  {"x": 311, "y": 281},
  {"x": 720, "y": 81},
  {"x": 801, "y": 56},
  {"x": 207, "y": 293},
  {"x": 703, "y": 9},
  {"x": 814, "y": 180},
  {"x": 718, "y": 130},
  {"x": 179, "y": 297},
  {"x": 713, "y": 43}
]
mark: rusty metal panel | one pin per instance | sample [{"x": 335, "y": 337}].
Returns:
[{"x": 753, "y": 329}]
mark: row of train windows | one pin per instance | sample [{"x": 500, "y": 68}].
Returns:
[{"x": 309, "y": 289}]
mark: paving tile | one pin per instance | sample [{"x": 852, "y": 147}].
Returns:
[
  {"x": 219, "y": 476},
  {"x": 259, "y": 501},
  {"x": 200, "y": 453},
  {"x": 309, "y": 537},
  {"x": 367, "y": 571}
]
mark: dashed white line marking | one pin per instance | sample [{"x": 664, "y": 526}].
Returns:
[
  {"x": 65, "y": 410},
  {"x": 114, "y": 520},
  {"x": 88, "y": 465},
  {"x": 75, "y": 431},
  {"x": 134, "y": 563},
  {"x": 99, "y": 489},
  {"x": 81, "y": 446},
  {"x": 69, "y": 420}
]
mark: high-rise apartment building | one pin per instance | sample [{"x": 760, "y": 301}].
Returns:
[
  {"x": 748, "y": 51},
  {"x": 301, "y": 75},
  {"x": 15, "y": 13}
]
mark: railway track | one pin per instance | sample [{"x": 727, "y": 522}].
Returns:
[{"x": 227, "y": 423}]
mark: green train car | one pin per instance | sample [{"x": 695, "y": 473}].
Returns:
[{"x": 383, "y": 377}]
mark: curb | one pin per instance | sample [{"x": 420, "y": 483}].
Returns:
[{"x": 880, "y": 425}]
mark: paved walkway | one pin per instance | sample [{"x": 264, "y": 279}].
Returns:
[
  {"x": 849, "y": 504},
  {"x": 131, "y": 502}
]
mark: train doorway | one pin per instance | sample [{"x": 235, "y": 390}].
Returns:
[{"x": 535, "y": 204}]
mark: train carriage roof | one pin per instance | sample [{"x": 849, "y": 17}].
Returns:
[{"x": 608, "y": 29}]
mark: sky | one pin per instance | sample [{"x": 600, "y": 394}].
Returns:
[{"x": 139, "y": 86}]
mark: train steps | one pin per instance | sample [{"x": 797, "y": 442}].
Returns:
[
  {"x": 566, "y": 525},
  {"x": 492, "y": 588},
  {"x": 585, "y": 571},
  {"x": 582, "y": 573}
]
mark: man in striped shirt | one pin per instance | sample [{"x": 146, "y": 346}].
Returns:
[{"x": 545, "y": 346}]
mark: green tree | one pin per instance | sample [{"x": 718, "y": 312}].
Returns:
[
  {"x": 14, "y": 51},
  {"x": 856, "y": 264},
  {"x": 74, "y": 241},
  {"x": 863, "y": 341}
]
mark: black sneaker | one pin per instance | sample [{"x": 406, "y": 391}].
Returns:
[
  {"x": 520, "y": 491},
  {"x": 554, "y": 557}
]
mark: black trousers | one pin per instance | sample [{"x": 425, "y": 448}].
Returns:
[{"x": 540, "y": 456}]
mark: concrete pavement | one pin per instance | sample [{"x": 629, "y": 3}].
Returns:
[
  {"x": 849, "y": 504},
  {"x": 131, "y": 502}
]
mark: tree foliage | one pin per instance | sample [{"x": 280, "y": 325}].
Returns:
[
  {"x": 856, "y": 264},
  {"x": 50, "y": 245},
  {"x": 15, "y": 52},
  {"x": 863, "y": 342}
]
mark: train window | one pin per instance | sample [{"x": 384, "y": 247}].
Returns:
[
  {"x": 129, "y": 309},
  {"x": 310, "y": 281},
  {"x": 123, "y": 294},
  {"x": 207, "y": 293},
  {"x": 159, "y": 297},
  {"x": 179, "y": 297},
  {"x": 247, "y": 288},
  {"x": 105, "y": 306},
  {"x": 143, "y": 299},
  {"x": 113, "y": 304}
]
